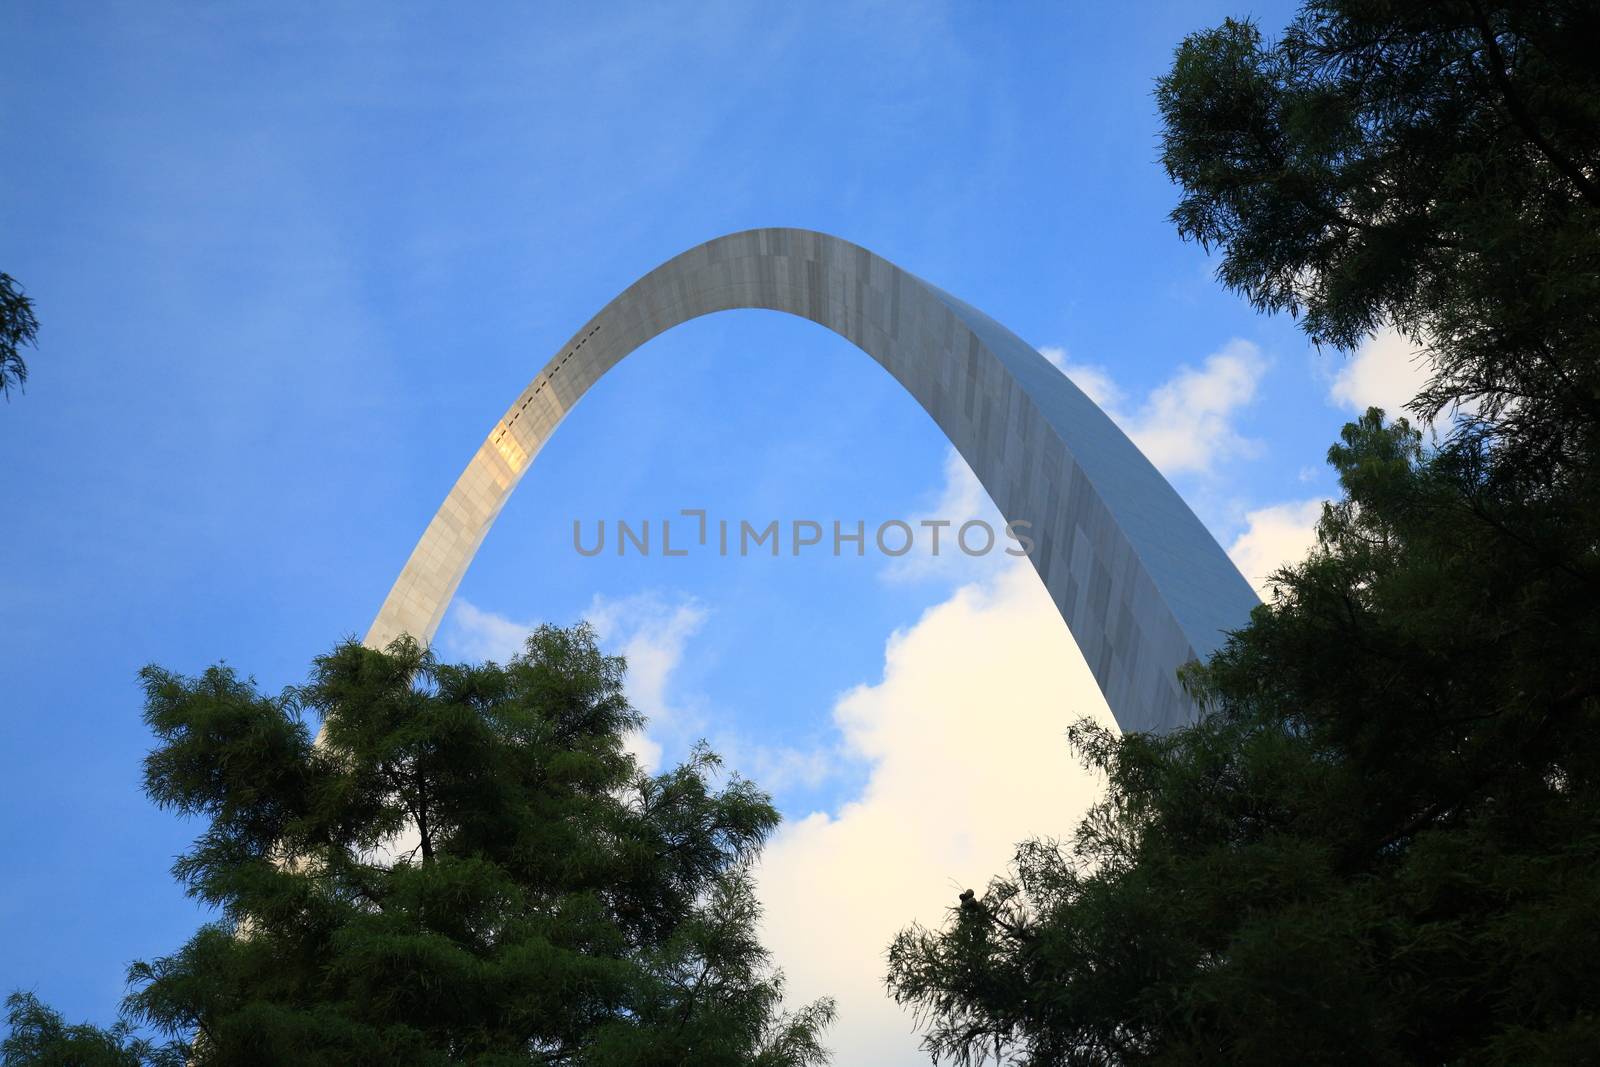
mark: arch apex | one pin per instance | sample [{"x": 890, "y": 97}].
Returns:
[{"x": 1140, "y": 582}]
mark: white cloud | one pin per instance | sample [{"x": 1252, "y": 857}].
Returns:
[
  {"x": 1092, "y": 378},
  {"x": 651, "y": 631},
  {"x": 1185, "y": 425},
  {"x": 1274, "y": 536},
  {"x": 778, "y": 768},
  {"x": 962, "y": 498},
  {"x": 966, "y": 739},
  {"x": 475, "y": 634},
  {"x": 1387, "y": 371}
]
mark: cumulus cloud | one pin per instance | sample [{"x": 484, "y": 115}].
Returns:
[
  {"x": 1274, "y": 536},
  {"x": 475, "y": 634},
  {"x": 1387, "y": 371},
  {"x": 1187, "y": 424},
  {"x": 960, "y": 499},
  {"x": 1092, "y": 378},
  {"x": 965, "y": 737},
  {"x": 651, "y": 631},
  {"x": 779, "y": 768}
]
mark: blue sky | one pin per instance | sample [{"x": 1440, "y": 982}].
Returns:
[{"x": 291, "y": 264}]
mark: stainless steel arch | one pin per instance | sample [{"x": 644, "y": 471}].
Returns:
[{"x": 1140, "y": 582}]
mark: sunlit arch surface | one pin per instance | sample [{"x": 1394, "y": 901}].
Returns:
[{"x": 1142, "y": 585}]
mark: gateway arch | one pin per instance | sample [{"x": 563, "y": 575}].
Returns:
[{"x": 1141, "y": 583}]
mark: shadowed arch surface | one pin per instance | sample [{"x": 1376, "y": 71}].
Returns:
[{"x": 1141, "y": 583}]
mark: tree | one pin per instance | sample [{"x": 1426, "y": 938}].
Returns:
[
  {"x": 40, "y": 1037},
  {"x": 467, "y": 867},
  {"x": 1380, "y": 845},
  {"x": 18, "y": 328},
  {"x": 1381, "y": 841},
  {"x": 1429, "y": 166}
]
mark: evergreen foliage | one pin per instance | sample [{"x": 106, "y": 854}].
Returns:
[
  {"x": 39, "y": 1037},
  {"x": 1381, "y": 842},
  {"x": 18, "y": 329},
  {"x": 466, "y": 867}
]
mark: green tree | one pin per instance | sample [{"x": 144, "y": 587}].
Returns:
[
  {"x": 1380, "y": 845},
  {"x": 18, "y": 329},
  {"x": 466, "y": 867},
  {"x": 1430, "y": 166},
  {"x": 38, "y": 1036},
  {"x": 1381, "y": 842}
]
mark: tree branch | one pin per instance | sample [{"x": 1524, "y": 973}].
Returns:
[{"x": 1520, "y": 114}]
